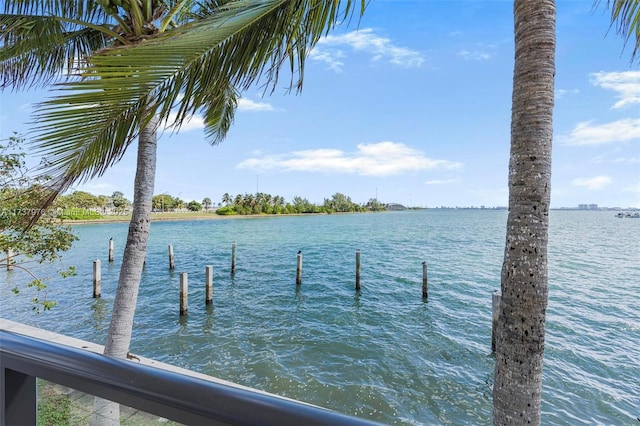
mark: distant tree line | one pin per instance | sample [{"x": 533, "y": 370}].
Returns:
[
  {"x": 241, "y": 204},
  {"x": 261, "y": 203},
  {"x": 86, "y": 200}
]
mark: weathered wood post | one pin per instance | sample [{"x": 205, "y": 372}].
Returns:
[
  {"x": 208, "y": 284},
  {"x": 172, "y": 263},
  {"x": 495, "y": 311},
  {"x": 233, "y": 258},
  {"x": 110, "y": 249},
  {"x": 184, "y": 294},
  {"x": 357, "y": 270},
  {"x": 9, "y": 260},
  {"x": 299, "y": 269},
  {"x": 97, "y": 279},
  {"x": 425, "y": 283}
]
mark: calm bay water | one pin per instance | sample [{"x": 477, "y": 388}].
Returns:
[{"x": 382, "y": 354}]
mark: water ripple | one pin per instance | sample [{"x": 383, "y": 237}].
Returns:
[{"x": 382, "y": 353}]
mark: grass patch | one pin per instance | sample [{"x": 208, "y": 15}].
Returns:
[
  {"x": 79, "y": 214},
  {"x": 54, "y": 410}
]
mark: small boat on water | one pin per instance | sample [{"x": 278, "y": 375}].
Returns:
[{"x": 629, "y": 215}]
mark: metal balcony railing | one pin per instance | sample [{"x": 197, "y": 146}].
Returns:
[{"x": 174, "y": 396}]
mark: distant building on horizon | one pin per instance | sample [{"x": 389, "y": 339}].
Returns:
[{"x": 587, "y": 207}]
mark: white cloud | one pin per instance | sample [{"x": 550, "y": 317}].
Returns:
[
  {"x": 630, "y": 160},
  {"x": 245, "y": 105},
  {"x": 197, "y": 121},
  {"x": 475, "y": 55},
  {"x": 376, "y": 159},
  {"x": 587, "y": 133},
  {"x": 194, "y": 123},
  {"x": 594, "y": 183},
  {"x": 626, "y": 84},
  {"x": 364, "y": 40},
  {"x": 440, "y": 181},
  {"x": 331, "y": 58},
  {"x": 479, "y": 52},
  {"x": 561, "y": 93}
]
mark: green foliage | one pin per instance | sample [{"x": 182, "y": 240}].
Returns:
[
  {"x": 206, "y": 203},
  {"x": 227, "y": 211},
  {"x": 374, "y": 205},
  {"x": 20, "y": 198},
  {"x": 162, "y": 202},
  {"x": 625, "y": 17},
  {"x": 341, "y": 203},
  {"x": 302, "y": 205},
  {"x": 178, "y": 203},
  {"x": 79, "y": 214},
  {"x": 194, "y": 206},
  {"x": 78, "y": 200},
  {"x": 118, "y": 201},
  {"x": 54, "y": 410},
  {"x": 261, "y": 203}
]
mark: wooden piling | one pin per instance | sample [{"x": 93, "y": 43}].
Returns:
[
  {"x": 357, "y": 270},
  {"x": 495, "y": 311},
  {"x": 9, "y": 260},
  {"x": 172, "y": 263},
  {"x": 97, "y": 279},
  {"x": 299, "y": 269},
  {"x": 110, "y": 249},
  {"x": 233, "y": 258},
  {"x": 425, "y": 283},
  {"x": 208, "y": 278},
  {"x": 184, "y": 294}
]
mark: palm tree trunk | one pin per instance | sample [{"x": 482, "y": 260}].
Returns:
[
  {"x": 124, "y": 305},
  {"x": 521, "y": 325},
  {"x": 135, "y": 251}
]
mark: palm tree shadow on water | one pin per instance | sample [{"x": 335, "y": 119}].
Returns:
[{"x": 100, "y": 314}]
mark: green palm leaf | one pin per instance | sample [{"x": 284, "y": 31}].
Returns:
[
  {"x": 625, "y": 17},
  {"x": 197, "y": 66},
  {"x": 36, "y": 50}
]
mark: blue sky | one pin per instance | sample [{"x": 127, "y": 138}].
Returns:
[{"x": 411, "y": 104}]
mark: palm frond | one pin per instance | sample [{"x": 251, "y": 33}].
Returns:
[
  {"x": 196, "y": 66},
  {"x": 84, "y": 10},
  {"x": 106, "y": 136},
  {"x": 37, "y": 50},
  {"x": 625, "y": 17},
  {"x": 219, "y": 113}
]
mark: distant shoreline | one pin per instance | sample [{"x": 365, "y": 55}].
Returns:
[
  {"x": 184, "y": 216},
  {"x": 177, "y": 217}
]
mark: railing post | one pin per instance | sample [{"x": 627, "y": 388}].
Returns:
[
  {"x": 97, "y": 279},
  {"x": 208, "y": 284},
  {"x": 233, "y": 258},
  {"x": 172, "y": 264},
  {"x": 357, "y": 270},
  {"x": 299, "y": 269},
  {"x": 184, "y": 294},
  {"x": 18, "y": 398},
  {"x": 425, "y": 281},
  {"x": 111, "y": 249}
]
